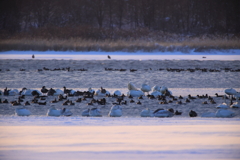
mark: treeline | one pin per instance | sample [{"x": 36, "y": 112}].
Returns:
[{"x": 86, "y": 18}]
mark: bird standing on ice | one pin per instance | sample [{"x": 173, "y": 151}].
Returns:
[
  {"x": 33, "y": 56},
  {"x": 145, "y": 88},
  {"x": 109, "y": 57}
]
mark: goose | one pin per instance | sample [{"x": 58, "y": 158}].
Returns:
[
  {"x": 162, "y": 113},
  {"x": 95, "y": 112},
  {"x": 147, "y": 113},
  {"x": 223, "y": 105},
  {"x": 178, "y": 113},
  {"x": 27, "y": 103},
  {"x": 51, "y": 92},
  {"x": 192, "y": 113},
  {"x": 139, "y": 103},
  {"x": 145, "y": 88},
  {"x": 116, "y": 111},
  {"x": 22, "y": 112}
]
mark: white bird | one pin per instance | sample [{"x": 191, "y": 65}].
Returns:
[
  {"x": 58, "y": 92},
  {"x": 54, "y": 112},
  {"x": 131, "y": 86},
  {"x": 162, "y": 113},
  {"x": 116, "y": 111},
  {"x": 85, "y": 113},
  {"x": 22, "y": 112},
  {"x": 117, "y": 93},
  {"x": 95, "y": 112},
  {"x": 224, "y": 113},
  {"x": 147, "y": 113},
  {"x": 223, "y": 105},
  {"x": 133, "y": 91},
  {"x": 145, "y": 88},
  {"x": 209, "y": 114},
  {"x": 13, "y": 92},
  {"x": 236, "y": 104},
  {"x": 230, "y": 91},
  {"x": 156, "y": 88},
  {"x": 156, "y": 93}
]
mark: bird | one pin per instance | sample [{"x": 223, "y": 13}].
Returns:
[
  {"x": 33, "y": 56},
  {"x": 145, "y": 88},
  {"x": 109, "y": 57}
]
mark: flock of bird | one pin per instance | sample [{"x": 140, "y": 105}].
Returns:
[
  {"x": 69, "y": 69},
  {"x": 100, "y": 97}
]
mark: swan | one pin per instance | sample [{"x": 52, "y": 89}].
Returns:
[
  {"x": 28, "y": 92},
  {"x": 85, "y": 113},
  {"x": 58, "y": 92},
  {"x": 22, "y": 112},
  {"x": 13, "y": 92},
  {"x": 147, "y": 113},
  {"x": 162, "y": 113},
  {"x": 91, "y": 90},
  {"x": 224, "y": 113},
  {"x": 116, "y": 111},
  {"x": 156, "y": 93},
  {"x": 95, "y": 112},
  {"x": 131, "y": 86},
  {"x": 117, "y": 93},
  {"x": 145, "y": 88},
  {"x": 223, "y": 105},
  {"x": 156, "y": 88},
  {"x": 133, "y": 91},
  {"x": 101, "y": 94},
  {"x": 230, "y": 91},
  {"x": 208, "y": 114},
  {"x": 236, "y": 104},
  {"x": 58, "y": 112}
]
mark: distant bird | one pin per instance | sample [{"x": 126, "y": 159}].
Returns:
[
  {"x": 33, "y": 56},
  {"x": 109, "y": 57}
]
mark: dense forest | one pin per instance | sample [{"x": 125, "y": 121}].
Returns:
[{"x": 118, "y": 19}]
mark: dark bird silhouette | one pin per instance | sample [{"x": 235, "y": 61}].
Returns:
[
  {"x": 33, "y": 56},
  {"x": 192, "y": 113},
  {"x": 109, "y": 57}
]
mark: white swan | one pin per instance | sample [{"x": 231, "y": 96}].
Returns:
[
  {"x": 13, "y": 92},
  {"x": 117, "y": 93},
  {"x": 224, "y": 113},
  {"x": 100, "y": 94},
  {"x": 230, "y": 91},
  {"x": 91, "y": 90},
  {"x": 223, "y": 105},
  {"x": 28, "y": 92},
  {"x": 145, "y": 88},
  {"x": 156, "y": 93},
  {"x": 147, "y": 113},
  {"x": 116, "y": 111},
  {"x": 85, "y": 112},
  {"x": 163, "y": 89},
  {"x": 131, "y": 86},
  {"x": 156, "y": 88},
  {"x": 58, "y": 92},
  {"x": 95, "y": 112},
  {"x": 58, "y": 112},
  {"x": 162, "y": 113},
  {"x": 133, "y": 91},
  {"x": 236, "y": 104},
  {"x": 22, "y": 112},
  {"x": 54, "y": 112}
]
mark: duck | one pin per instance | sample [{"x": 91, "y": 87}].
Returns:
[
  {"x": 178, "y": 113},
  {"x": 146, "y": 113},
  {"x": 192, "y": 113},
  {"x": 139, "y": 103},
  {"x": 51, "y": 92},
  {"x": 145, "y": 88},
  {"x": 22, "y": 111},
  {"x": 44, "y": 90},
  {"x": 54, "y": 101},
  {"x": 115, "y": 111},
  {"x": 27, "y": 103}
]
